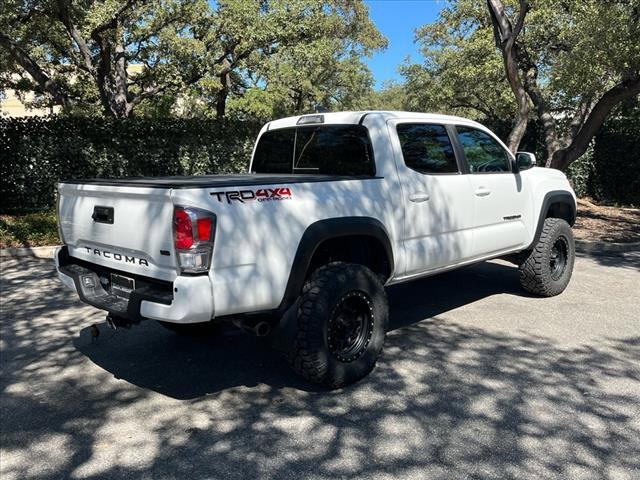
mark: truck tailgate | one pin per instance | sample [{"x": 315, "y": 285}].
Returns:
[{"x": 120, "y": 227}]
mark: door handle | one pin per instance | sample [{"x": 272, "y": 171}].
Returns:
[
  {"x": 419, "y": 197},
  {"x": 482, "y": 192},
  {"x": 102, "y": 214}
]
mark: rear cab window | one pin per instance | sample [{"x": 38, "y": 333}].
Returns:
[{"x": 318, "y": 149}]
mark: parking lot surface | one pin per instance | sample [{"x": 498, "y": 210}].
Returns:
[{"x": 478, "y": 380}]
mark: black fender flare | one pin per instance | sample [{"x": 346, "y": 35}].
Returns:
[
  {"x": 550, "y": 198},
  {"x": 323, "y": 230}
]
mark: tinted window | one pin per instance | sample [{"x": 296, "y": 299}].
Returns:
[
  {"x": 426, "y": 148},
  {"x": 326, "y": 149},
  {"x": 274, "y": 152},
  {"x": 483, "y": 153}
]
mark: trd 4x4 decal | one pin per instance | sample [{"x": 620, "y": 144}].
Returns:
[{"x": 261, "y": 195}]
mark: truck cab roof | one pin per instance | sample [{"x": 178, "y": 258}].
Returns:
[{"x": 358, "y": 117}]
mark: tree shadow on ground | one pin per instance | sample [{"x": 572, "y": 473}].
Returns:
[
  {"x": 626, "y": 260},
  {"x": 186, "y": 367},
  {"x": 446, "y": 400}
]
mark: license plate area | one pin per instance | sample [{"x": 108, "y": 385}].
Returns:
[{"x": 122, "y": 286}]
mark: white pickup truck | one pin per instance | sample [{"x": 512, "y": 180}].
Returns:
[{"x": 335, "y": 207}]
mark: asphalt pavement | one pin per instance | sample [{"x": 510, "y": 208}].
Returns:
[{"x": 478, "y": 380}]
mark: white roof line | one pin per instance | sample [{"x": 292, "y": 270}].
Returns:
[{"x": 358, "y": 115}]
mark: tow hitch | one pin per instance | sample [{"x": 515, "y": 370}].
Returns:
[{"x": 119, "y": 322}]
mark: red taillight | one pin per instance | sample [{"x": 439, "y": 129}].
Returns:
[
  {"x": 183, "y": 229},
  {"x": 205, "y": 229},
  {"x": 193, "y": 233}
]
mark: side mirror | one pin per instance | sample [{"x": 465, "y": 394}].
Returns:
[{"x": 525, "y": 160}]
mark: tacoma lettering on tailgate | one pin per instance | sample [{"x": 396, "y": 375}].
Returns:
[{"x": 117, "y": 256}]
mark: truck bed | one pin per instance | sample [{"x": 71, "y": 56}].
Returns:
[{"x": 215, "y": 181}]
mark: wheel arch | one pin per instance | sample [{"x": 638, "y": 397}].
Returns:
[
  {"x": 555, "y": 204},
  {"x": 328, "y": 234}
]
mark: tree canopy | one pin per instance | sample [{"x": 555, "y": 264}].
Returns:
[
  {"x": 569, "y": 63},
  {"x": 564, "y": 64},
  {"x": 79, "y": 54}
]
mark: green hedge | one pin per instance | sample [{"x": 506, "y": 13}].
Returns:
[
  {"x": 36, "y": 153},
  {"x": 616, "y": 162},
  {"x": 582, "y": 175},
  {"x": 610, "y": 170}
]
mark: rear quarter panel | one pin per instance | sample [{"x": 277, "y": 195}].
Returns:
[{"x": 256, "y": 240}]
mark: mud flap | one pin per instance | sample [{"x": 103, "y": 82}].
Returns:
[{"x": 284, "y": 333}]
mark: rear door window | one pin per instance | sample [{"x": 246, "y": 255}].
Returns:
[
  {"x": 427, "y": 148},
  {"x": 323, "y": 149}
]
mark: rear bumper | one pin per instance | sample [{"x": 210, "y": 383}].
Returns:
[{"x": 185, "y": 300}]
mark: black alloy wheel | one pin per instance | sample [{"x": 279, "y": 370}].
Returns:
[
  {"x": 546, "y": 269},
  {"x": 558, "y": 258},
  {"x": 350, "y": 326},
  {"x": 342, "y": 317}
]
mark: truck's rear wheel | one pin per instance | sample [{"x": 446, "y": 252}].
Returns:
[
  {"x": 547, "y": 269},
  {"x": 341, "y": 325}
]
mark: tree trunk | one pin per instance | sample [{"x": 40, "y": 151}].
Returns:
[
  {"x": 505, "y": 36},
  {"x": 589, "y": 117},
  {"x": 578, "y": 139},
  {"x": 299, "y": 103},
  {"x": 221, "y": 103},
  {"x": 560, "y": 159},
  {"x": 552, "y": 143},
  {"x": 120, "y": 100},
  {"x": 520, "y": 124},
  {"x": 45, "y": 83},
  {"x": 103, "y": 75},
  {"x": 225, "y": 88}
]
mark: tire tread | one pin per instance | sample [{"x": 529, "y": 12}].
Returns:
[
  {"x": 303, "y": 357},
  {"x": 533, "y": 273}
]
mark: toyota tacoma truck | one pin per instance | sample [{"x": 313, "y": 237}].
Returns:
[{"x": 334, "y": 208}]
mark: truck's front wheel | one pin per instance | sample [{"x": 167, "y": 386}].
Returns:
[
  {"x": 547, "y": 269},
  {"x": 341, "y": 325}
]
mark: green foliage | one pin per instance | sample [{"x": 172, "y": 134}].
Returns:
[
  {"x": 301, "y": 78},
  {"x": 191, "y": 55},
  {"x": 615, "y": 175},
  {"x": 463, "y": 72},
  {"x": 319, "y": 62},
  {"x": 392, "y": 96},
  {"x": 573, "y": 51},
  {"x": 611, "y": 172},
  {"x": 584, "y": 46},
  {"x": 264, "y": 59},
  {"x": 581, "y": 173},
  {"x": 29, "y": 230},
  {"x": 36, "y": 153},
  {"x": 81, "y": 50}
]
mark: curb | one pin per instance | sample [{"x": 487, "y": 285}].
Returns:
[
  {"x": 582, "y": 246},
  {"x": 33, "y": 252},
  {"x": 595, "y": 248}
]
